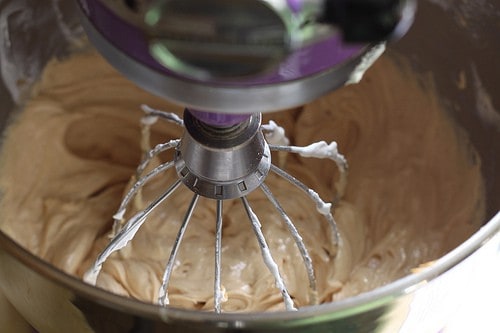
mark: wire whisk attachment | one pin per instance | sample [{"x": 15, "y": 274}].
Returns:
[{"x": 222, "y": 163}]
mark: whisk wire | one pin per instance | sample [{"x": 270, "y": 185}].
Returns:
[
  {"x": 218, "y": 293},
  {"x": 163, "y": 292},
  {"x": 138, "y": 185},
  {"x": 306, "y": 258},
  {"x": 126, "y": 234},
  {"x": 322, "y": 207},
  {"x": 159, "y": 148},
  {"x": 168, "y": 116},
  {"x": 266, "y": 255}
]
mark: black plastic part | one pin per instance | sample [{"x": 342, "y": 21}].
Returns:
[{"x": 364, "y": 20}]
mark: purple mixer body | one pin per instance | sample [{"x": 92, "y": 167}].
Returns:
[{"x": 303, "y": 62}]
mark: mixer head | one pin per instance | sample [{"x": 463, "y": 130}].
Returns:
[{"x": 242, "y": 56}]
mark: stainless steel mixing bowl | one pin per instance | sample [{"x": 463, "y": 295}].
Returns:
[{"x": 448, "y": 38}]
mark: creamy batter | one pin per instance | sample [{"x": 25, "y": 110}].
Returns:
[{"x": 414, "y": 190}]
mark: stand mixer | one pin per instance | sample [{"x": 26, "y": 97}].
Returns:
[{"x": 229, "y": 61}]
